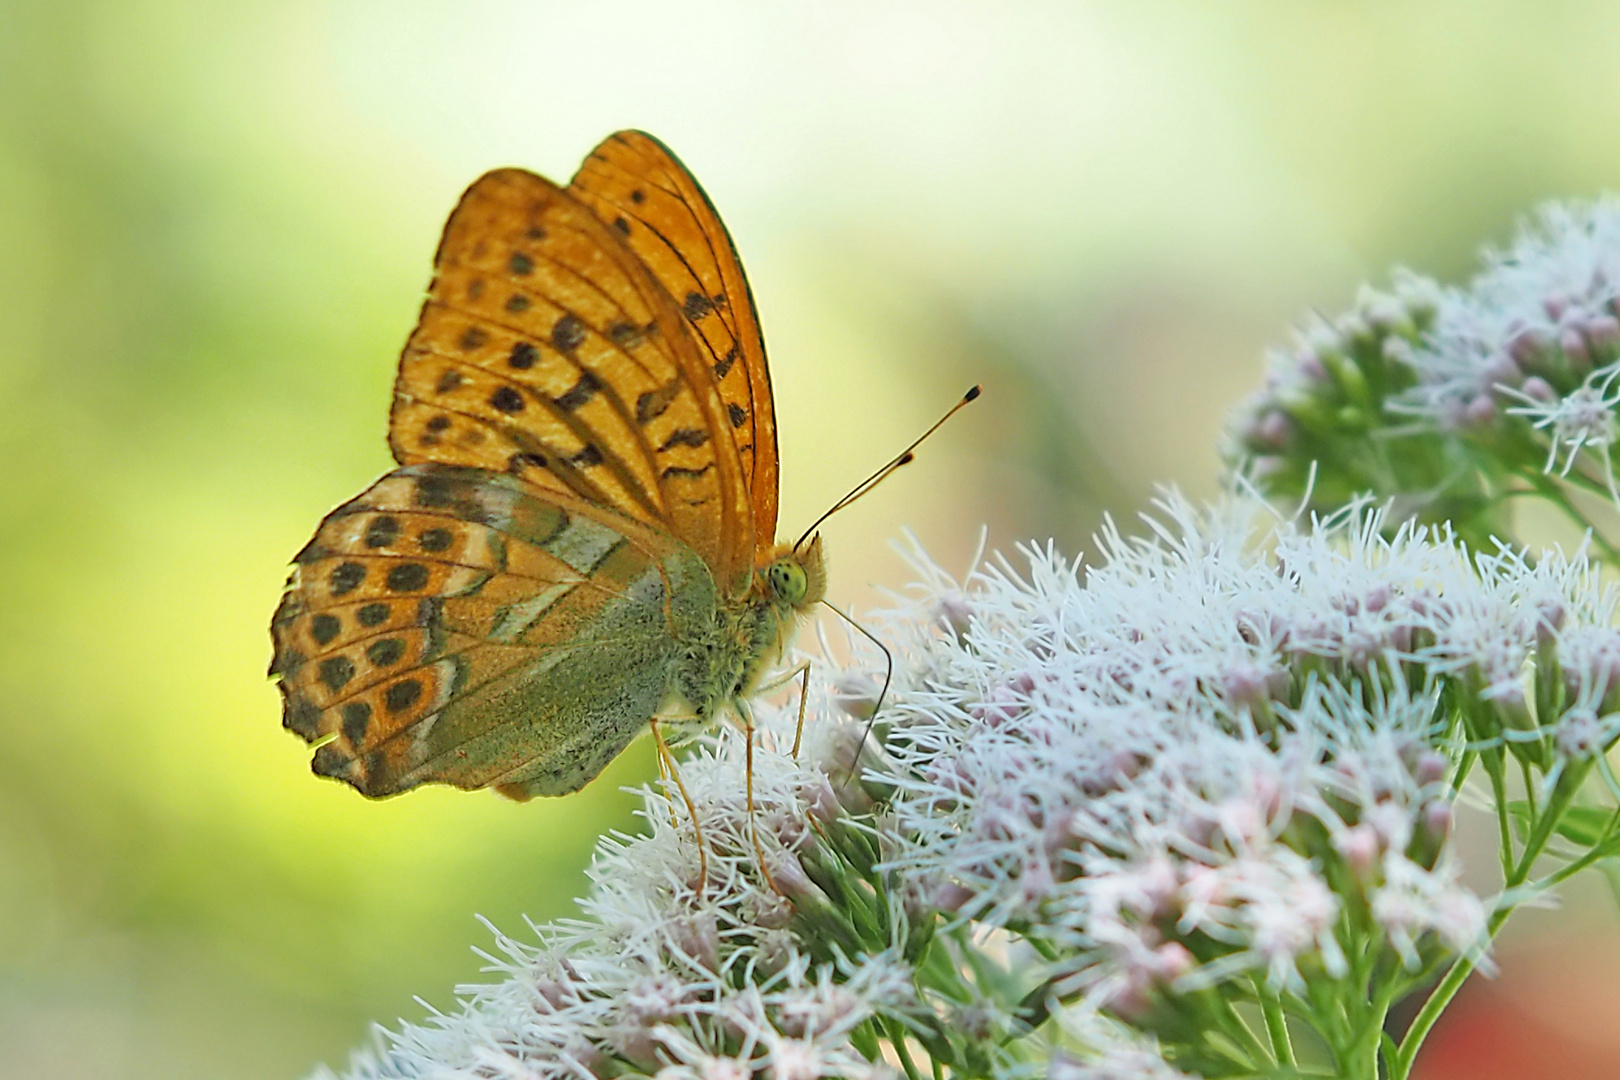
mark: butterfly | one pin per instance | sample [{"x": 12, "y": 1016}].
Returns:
[{"x": 580, "y": 535}]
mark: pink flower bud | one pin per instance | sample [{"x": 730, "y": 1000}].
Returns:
[
  {"x": 698, "y": 936},
  {"x": 1603, "y": 332},
  {"x": 1274, "y": 429},
  {"x": 1360, "y": 847},
  {"x": 1574, "y": 345},
  {"x": 1430, "y": 768},
  {"x": 1526, "y": 346},
  {"x": 1437, "y": 820},
  {"x": 1311, "y": 367},
  {"x": 1480, "y": 412},
  {"x": 955, "y": 614},
  {"x": 1500, "y": 368},
  {"x": 1172, "y": 960},
  {"x": 1539, "y": 389}
]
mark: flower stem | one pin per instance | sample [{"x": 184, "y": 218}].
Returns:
[
  {"x": 897, "y": 1039},
  {"x": 1464, "y": 966}
]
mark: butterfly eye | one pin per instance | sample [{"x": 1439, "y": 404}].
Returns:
[{"x": 788, "y": 582}]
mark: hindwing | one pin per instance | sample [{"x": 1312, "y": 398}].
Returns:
[{"x": 445, "y": 625}]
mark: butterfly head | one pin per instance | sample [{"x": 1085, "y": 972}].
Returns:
[{"x": 796, "y": 577}]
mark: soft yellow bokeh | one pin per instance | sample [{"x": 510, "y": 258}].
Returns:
[{"x": 216, "y": 221}]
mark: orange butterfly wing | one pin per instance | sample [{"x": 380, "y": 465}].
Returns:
[
  {"x": 638, "y": 185},
  {"x": 548, "y": 350}
]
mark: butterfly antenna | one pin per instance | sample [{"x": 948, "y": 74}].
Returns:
[
  {"x": 888, "y": 676},
  {"x": 903, "y": 458}
]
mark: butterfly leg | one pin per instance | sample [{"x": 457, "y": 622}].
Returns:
[
  {"x": 802, "y": 668},
  {"x": 745, "y": 714},
  {"x": 668, "y": 766},
  {"x": 804, "y": 697}
]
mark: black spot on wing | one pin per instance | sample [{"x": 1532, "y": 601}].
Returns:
[
  {"x": 451, "y": 492},
  {"x": 697, "y": 305},
  {"x": 472, "y": 338},
  {"x": 737, "y": 414},
  {"x": 567, "y": 333},
  {"x": 506, "y": 399},
  {"x": 580, "y": 393},
  {"x": 382, "y": 531},
  {"x": 653, "y": 403},
  {"x": 520, "y": 264},
  {"x": 516, "y": 463},
  {"x": 386, "y": 652},
  {"x": 675, "y": 472},
  {"x": 722, "y": 366},
  {"x": 627, "y": 335},
  {"x": 336, "y": 671},
  {"x": 356, "y": 718},
  {"x": 403, "y": 694},
  {"x": 523, "y": 356},
  {"x": 684, "y": 437},
  {"x": 434, "y": 540},
  {"x": 347, "y": 577},
  {"x": 408, "y": 577}
]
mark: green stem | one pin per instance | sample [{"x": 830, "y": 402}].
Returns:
[
  {"x": 897, "y": 1039},
  {"x": 1601, "y": 851},
  {"x": 1504, "y": 827},
  {"x": 1545, "y": 824},
  {"x": 1464, "y": 767},
  {"x": 1529, "y": 782},
  {"x": 1401, "y": 1066}
]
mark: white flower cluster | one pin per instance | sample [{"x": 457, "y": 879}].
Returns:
[
  {"x": 668, "y": 975},
  {"x": 1536, "y": 331},
  {"x": 1127, "y": 765},
  {"x": 1450, "y": 400},
  {"x": 1228, "y": 752}
]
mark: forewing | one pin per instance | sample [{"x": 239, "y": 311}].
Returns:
[
  {"x": 457, "y": 626},
  {"x": 639, "y": 187},
  {"x": 547, "y": 350}
]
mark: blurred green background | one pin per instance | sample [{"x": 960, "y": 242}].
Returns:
[{"x": 216, "y": 221}]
